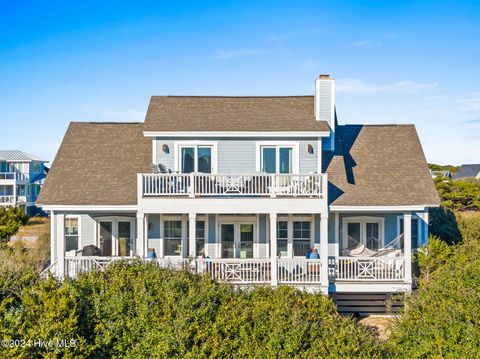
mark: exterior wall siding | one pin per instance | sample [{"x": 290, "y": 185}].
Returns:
[{"x": 239, "y": 155}]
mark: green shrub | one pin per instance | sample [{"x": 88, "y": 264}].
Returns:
[
  {"x": 11, "y": 218},
  {"x": 141, "y": 311},
  {"x": 461, "y": 195},
  {"x": 443, "y": 318}
]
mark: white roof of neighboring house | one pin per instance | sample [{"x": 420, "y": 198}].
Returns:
[{"x": 18, "y": 156}]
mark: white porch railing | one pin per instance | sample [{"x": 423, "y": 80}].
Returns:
[
  {"x": 238, "y": 271},
  {"x": 76, "y": 265},
  {"x": 295, "y": 271},
  {"x": 299, "y": 271},
  {"x": 366, "y": 268},
  {"x": 255, "y": 184}
]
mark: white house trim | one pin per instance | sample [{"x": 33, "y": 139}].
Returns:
[
  {"x": 334, "y": 208},
  {"x": 122, "y": 208},
  {"x": 237, "y": 134}
]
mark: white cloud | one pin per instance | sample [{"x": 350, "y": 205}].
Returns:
[
  {"x": 359, "y": 86},
  {"x": 469, "y": 102},
  {"x": 224, "y": 55},
  {"x": 366, "y": 43}
]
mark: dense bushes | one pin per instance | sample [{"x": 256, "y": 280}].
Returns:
[
  {"x": 460, "y": 195},
  {"x": 443, "y": 318},
  {"x": 140, "y": 311},
  {"x": 11, "y": 218}
]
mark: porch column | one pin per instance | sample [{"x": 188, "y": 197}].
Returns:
[
  {"x": 407, "y": 247},
  {"x": 184, "y": 237},
  {"x": 273, "y": 247},
  {"x": 145, "y": 235},
  {"x": 53, "y": 243},
  {"x": 141, "y": 248},
  {"x": 192, "y": 228},
  {"x": 60, "y": 237},
  {"x": 324, "y": 252}
]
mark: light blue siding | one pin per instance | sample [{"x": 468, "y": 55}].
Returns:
[
  {"x": 239, "y": 155},
  {"x": 262, "y": 228},
  {"x": 236, "y": 156},
  {"x": 154, "y": 226},
  {"x": 87, "y": 230},
  {"x": 212, "y": 229}
]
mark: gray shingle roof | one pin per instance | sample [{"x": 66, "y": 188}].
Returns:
[
  {"x": 256, "y": 114},
  {"x": 376, "y": 165},
  {"x": 18, "y": 156},
  {"x": 471, "y": 170},
  {"x": 373, "y": 166},
  {"x": 97, "y": 164}
]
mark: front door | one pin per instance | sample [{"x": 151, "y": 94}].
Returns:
[{"x": 237, "y": 240}]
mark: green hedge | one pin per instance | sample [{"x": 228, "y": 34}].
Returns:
[
  {"x": 11, "y": 218},
  {"x": 141, "y": 311},
  {"x": 443, "y": 318}
]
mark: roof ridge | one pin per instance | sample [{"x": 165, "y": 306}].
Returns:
[{"x": 220, "y": 96}]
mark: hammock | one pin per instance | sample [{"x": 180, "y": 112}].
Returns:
[{"x": 392, "y": 249}]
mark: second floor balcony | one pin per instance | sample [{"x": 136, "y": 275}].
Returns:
[
  {"x": 218, "y": 185},
  {"x": 11, "y": 176}
]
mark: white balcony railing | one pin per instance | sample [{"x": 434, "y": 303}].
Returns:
[
  {"x": 213, "y": 185},
  {"x": 367, "y": 268},
  {"x": 9, "y": 199}
]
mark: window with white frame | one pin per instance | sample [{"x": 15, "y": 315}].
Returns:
[
  {"x": 363, "y": 230},
  {"x": 415, "y": 230},
  {"x": 276, "y": 159},
  {"x": 172, "y": 238},
  {"x": 282, "y": 238},
  {"x": 196, "y": 158},
  {"x": 301, "y": 238},
  {"x": 71, "y": 234},
  {"x": 37, "y": 167}
]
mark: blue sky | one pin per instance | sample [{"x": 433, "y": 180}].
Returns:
[{"x": 395, "y": 62}]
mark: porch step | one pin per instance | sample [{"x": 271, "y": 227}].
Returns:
[{"x": 367, "y": 303}]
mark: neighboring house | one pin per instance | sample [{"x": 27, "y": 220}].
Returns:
[
  {"x": 243, "y": 188},
  {"x": 441, "y": 174},
  {"x": 472, "y": 170},
  {"x": 21, "y": 177}
]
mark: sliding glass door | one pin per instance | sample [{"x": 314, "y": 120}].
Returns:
[{"x": 115, "y": 236}]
